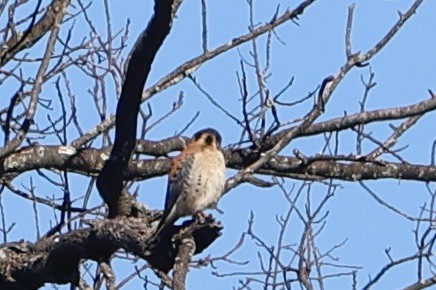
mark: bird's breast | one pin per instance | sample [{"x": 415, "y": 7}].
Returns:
[{"x": 205, "y": 182}]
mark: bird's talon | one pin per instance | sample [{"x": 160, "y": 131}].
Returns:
[
  {"x": 210, "y": 218},
  {"x": 200, "y": 217}
]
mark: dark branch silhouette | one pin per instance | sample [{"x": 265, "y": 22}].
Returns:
[{"x": 45, "y": 142}]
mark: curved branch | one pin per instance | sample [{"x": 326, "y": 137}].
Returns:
[{"x": 110, "y": 180}]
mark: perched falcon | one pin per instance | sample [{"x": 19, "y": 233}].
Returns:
[{"x": 196, "y": 178}]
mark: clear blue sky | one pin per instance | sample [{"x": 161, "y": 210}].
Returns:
[{"x": 314, "y": 49}]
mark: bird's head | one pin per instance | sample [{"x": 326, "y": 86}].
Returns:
[{"x": 208, "y": 138}]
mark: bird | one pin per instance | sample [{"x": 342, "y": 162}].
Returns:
[{"x": 196, "y": 178}]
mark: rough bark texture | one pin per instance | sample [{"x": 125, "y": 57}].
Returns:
[
  {"x": 26, "y": 265},
  {"x": 89, "y": 162},
  {"x": 110, "y": 180},
  {"x": 263, "y": 149}
]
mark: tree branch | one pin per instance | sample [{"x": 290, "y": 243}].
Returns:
[
  {"x": 190, "y": 66},
  {"x": 110, "y": 180},
  {"x": 21, "y": 41},
  {"x": 56, "y": 259}
]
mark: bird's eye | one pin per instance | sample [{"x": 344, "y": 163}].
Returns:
[{"x": 209, "y": 140}]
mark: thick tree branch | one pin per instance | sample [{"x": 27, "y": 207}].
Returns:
[
  {"x": 89, "y": 162},
  {"x": 110, "y": 180},
  {"x": 349, "y": 171},
  {"x": 59, "y": 257},
  {"x": 56, "y": 259}
]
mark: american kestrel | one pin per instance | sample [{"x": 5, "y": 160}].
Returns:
[{"x": 196, "y": 178}]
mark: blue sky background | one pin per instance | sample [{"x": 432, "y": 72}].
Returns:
[{"x": 314, "y": 49}]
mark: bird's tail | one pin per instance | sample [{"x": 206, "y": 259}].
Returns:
[{"x": 166, "y": 220}]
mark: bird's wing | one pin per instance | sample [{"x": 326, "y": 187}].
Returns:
[{"x": 178, "y": 179}]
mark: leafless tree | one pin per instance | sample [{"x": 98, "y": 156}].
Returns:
[{"x": 83, "y": 242}]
